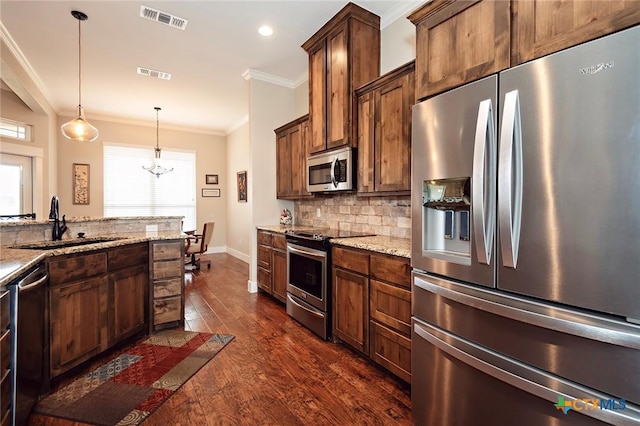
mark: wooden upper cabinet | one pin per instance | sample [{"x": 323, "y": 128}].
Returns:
[
  {"x": 543, "y": 27},
  {"x": 384, "y": 132},
  {"x": 291, "y": 159},
  {"x": 343, "y": 55},
  {"x": 458, "y": 42}
]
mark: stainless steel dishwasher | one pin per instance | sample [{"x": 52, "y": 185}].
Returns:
[{"x": 28, "y": 331}]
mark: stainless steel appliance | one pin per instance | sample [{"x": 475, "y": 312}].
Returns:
[
  {"x": 309, "y": 277},
  {"x": 29, "y": 372},
  {"x": 525, "y": 243},
  {"x": 331, "y": 171}
]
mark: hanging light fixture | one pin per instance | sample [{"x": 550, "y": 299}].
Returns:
[
  {"x": 156, "y": 167},
  {"x": 79, "y": 129}
]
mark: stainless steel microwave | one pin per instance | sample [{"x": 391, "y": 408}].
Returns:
[{"x": 331, "y": 171}]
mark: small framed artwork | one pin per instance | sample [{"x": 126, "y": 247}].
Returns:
[
  {"x": 211, "y": 179},
  {"x": 242, "y": 186},
  {"x": 210, "y": 192},
  {"x": 80, "y": 183}
]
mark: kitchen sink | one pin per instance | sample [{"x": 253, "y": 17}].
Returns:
[{"x": 49, "y": 245}]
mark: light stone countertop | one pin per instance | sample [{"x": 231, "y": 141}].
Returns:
[
  {"x": 377, "y": 243},
  {"x": 14, "y": 261}
]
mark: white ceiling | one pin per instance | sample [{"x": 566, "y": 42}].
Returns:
[{"x": 207, "y": 91}]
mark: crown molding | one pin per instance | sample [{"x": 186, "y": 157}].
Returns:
[
  {"x": 402, "y": 10},
  {"x": 252, "y": 74}
]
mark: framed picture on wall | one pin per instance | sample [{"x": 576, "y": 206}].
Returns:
[
  {"x": 80, "y": 183},
  {"x": 211, "y": 179},
  {"x": 242, "y": 186},
  {"x": 210, "y": 192}
]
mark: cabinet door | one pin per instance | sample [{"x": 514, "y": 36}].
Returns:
[
  {"x": 283, "y": 165},
  {"x": 338, "y": 89},
  {"x": 393, "y": 135},
  {"x": 279, "y": 276},
  {"x": 298, "y": 159},
  {"x": 351, "y": 309},
  {"x": 78, "y": 322},
  {"x": 317, "y": 98},
  {"x": 366, "y": 143},
  {"x": 543, "y": 27},
  {"x": 127, "y": 296},
  {"x": 460, "y": 41}
]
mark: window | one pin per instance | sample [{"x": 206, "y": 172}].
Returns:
[
  {"x": 16, "y": 189},
  {"x": 129, "y": 190},
  {"x": 13, "y": 129}
]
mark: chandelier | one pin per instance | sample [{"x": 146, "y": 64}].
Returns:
[{"x": 156, "y": 167}]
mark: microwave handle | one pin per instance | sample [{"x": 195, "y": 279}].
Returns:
[{"x": 333, "y": 173}]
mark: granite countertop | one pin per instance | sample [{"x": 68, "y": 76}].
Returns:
[
  {"x": 377, "y": 243},
  {"x": 281, "y": 229},
  {"x": 15, "y": 261}
]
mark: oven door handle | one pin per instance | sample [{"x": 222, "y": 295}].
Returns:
[
  {"x": 311, "y": 311},
  {"x": 307, "y": 252}
]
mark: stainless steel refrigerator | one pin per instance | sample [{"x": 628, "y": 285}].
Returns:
[{"x": 526, "y": 243}]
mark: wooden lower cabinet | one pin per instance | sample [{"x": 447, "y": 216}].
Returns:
[
  {"x": 166, "y": 299},
  {"x": 279, "y": 276},
  {"x": 127, "y": 295},
  {"x": 107, "y": 305},
  {"x": 372, "y": 306},
  {"x": 5, "y": 360},
  {"x": 78, "y": 322},
  {"x": 272, "y": 264},
  {"x": 351, "y": 309}
]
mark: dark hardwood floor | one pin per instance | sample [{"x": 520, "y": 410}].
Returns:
[{"x": 275, "y": 371}]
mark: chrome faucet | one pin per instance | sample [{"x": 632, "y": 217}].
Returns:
[{"x": 54, "y": 214}]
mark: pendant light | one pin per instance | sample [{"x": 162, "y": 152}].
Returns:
[
  {"x": 156, "y": 167},
  {"x": 79, "y": 129}
]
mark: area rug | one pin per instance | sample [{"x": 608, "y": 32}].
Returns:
[{"x": 128, "y": 388}]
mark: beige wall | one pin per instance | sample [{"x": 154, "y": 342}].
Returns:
[
  {"x": 238, "y": 214},
  {"x": 210, "y": 159},
  {"x": 397, "y": 44},
  {"x": 270, "y": 106}
]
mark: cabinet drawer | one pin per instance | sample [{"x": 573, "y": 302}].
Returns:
[
  {"x": 393, "y": 270},
  {"x": 67, "y": 269},
  {"x": 391, "y": 306},
  {"x": 5, "y": 397},
  {"x": 5, "y": 355},
  {"x": 264, "y": 257},
  {"x": 164, "y": 288},
  {"x": 125, "y": 256},
  {"x": 264, "y": 279},
  {"x": 264, "y": 238},
  {"x": 350, "y": 259},
  {"x": 391, "y": 350},
  {"x": 168, "y": 250},
  {"x": 168, "y": 269},
  {"x": 167, "y": 310},
  {"x": 4, "y": 311},
  {"x": 280, "y": 242}
]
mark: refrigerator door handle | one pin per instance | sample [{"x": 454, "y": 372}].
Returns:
[
  {"x": 499, "y": 366},
  {"x": 483, "y": 182},
  {"x": 583, "y": 326},
  {"x": 510, "y": 180}
]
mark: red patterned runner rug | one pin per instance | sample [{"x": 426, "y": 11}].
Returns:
[{"x": 129, "y": 387}]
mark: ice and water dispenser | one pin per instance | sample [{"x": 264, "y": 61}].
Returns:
[{"x": 446, "y": 226}]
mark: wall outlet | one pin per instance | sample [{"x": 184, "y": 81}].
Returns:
[{"x": 318, "y": 214}]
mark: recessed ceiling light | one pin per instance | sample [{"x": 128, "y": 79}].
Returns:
[{"x": 265, "y": 31}]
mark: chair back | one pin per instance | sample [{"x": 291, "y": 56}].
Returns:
[{"x": 207, "y": 233}]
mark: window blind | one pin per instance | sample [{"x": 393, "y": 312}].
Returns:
[{"x": 129, "y": 190}]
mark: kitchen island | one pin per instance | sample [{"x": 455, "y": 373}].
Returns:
[{"x": 107, "y": 281}]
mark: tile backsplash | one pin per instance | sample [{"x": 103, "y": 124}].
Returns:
[{"x": 389, "y": 216}]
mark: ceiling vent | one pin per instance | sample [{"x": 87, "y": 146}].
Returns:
[
  {"x": 153, "y": 73},
  {"x": 163, "y": 18}
]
